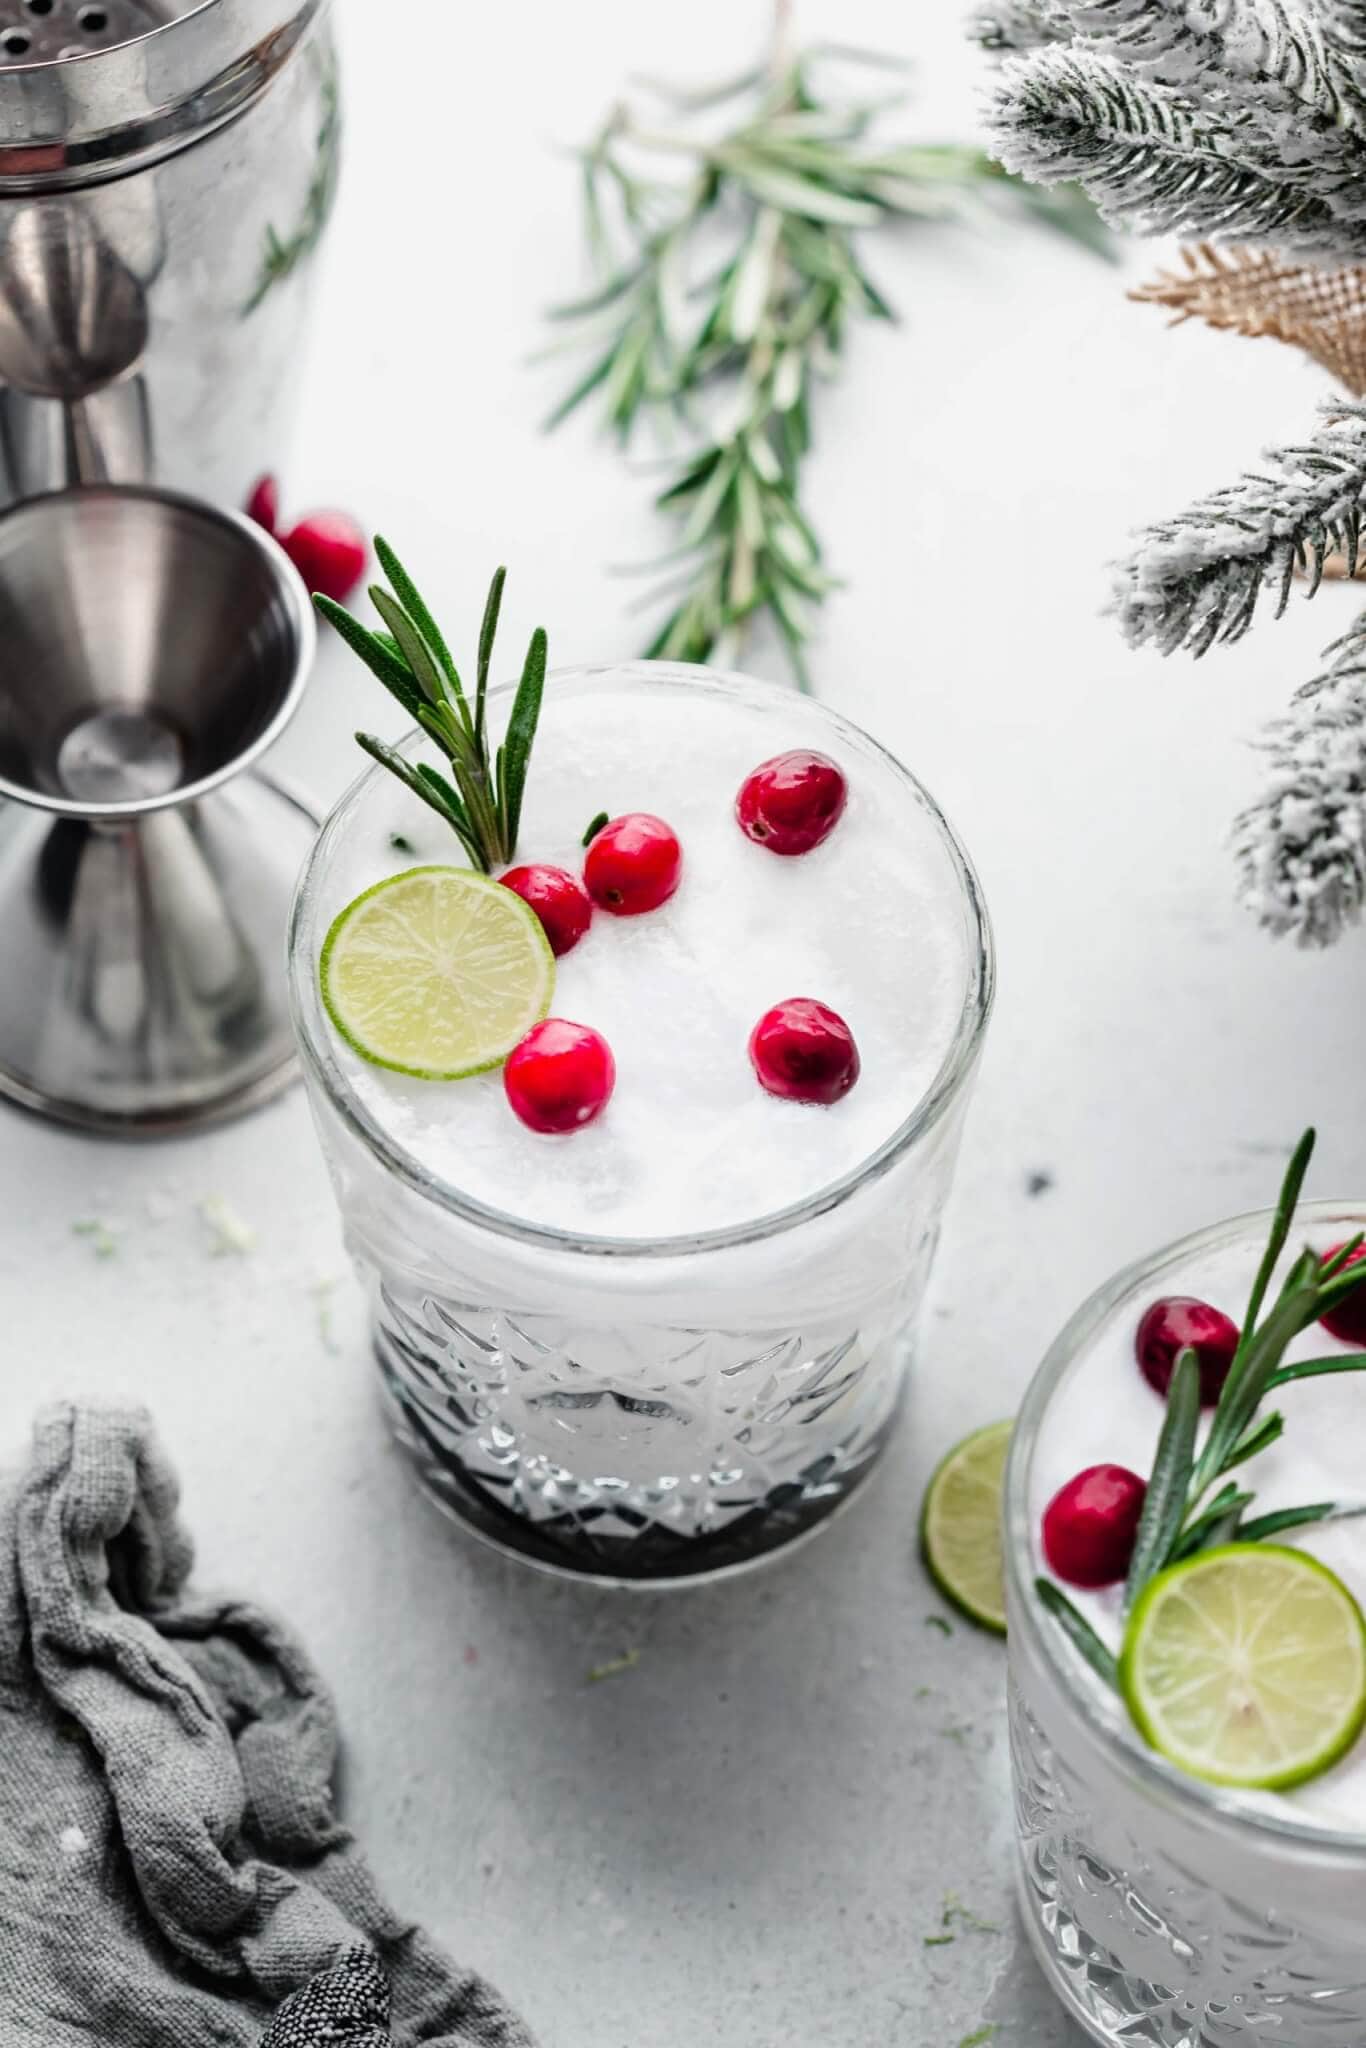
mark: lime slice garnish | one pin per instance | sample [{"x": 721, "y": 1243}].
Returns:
[
  {"x": 960, "y": 1526},
  {"x": 1246, "y": 1665},
  {"x": 436, "y": 972}
]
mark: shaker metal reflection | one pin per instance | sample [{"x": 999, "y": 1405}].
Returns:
[
  {"x": 151, "y": 648},
  {"x": 166, "y": 171}
]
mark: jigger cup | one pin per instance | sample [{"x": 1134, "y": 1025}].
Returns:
[{"x": 151, "y": 649}]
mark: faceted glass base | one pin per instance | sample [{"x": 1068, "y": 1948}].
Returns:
[
  {"x": 1147, "y": 1953},
  {"x": 715, "y": 1452}
]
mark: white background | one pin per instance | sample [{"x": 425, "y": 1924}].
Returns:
[{"x": 745, "y": 1839}]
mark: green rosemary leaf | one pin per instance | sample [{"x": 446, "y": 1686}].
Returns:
[
  {"x": 594, "y": 828},
  {"x": 1218, "y": 1524},
  {"x": 488, "y": 633},
  {"x": 1197, "y": 1535},
  {"x": 573, "y": 399},
  {"x": 606, "y": 295},
  {"x": 455, "y": 808},
  {"x": 1164, "y": 1507},
  {"x": 1256, "y": 1438},
  {"x": 1280, "y": 1230},
  {"x": 1256, "y": 1360},
  {"x": 799, "y": 572},
  {"x": 802, "y": 196},
  {"x": 1263, "y": 1526},
  {"x": 410, "y": 597},
  {"x": 406, "y": 773},
  {"x": 382, "y": 660},
  {"x": 1315, "y": 1368},
  {"x": 692, "y": 478},
  {"x": 452, "y": 739},
  {"x": 880, "y": 307},
  {"x": 1342, "y": 1257},
  {"x": 1083, "y": 1637},
  {"x": 415, "y": 650},
  {"x": 521, "y": 732},
  {"x": 711, "y": 498},
  {"x": 483, "y": 804},
  {"x": 1330, "y": 1292}
]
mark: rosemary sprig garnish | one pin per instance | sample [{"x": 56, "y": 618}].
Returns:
[
  {"x": 731, "y": 350},
  {"x": 1190, "y": 1503},
  {"x": 482, "y": 802}
]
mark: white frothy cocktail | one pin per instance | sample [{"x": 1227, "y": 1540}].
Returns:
[
  {"x": 689, "y": 1143},
  {"x": 674, "y": 1338},
  {"x": 1167, "y": 1909}
]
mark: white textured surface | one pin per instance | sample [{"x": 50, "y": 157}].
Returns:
[{"x": 745, "y": 1838}]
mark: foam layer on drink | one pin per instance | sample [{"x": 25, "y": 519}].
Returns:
[
  {"x": 1104, "y": 1412},
  {"x": 873, "y": 923}
]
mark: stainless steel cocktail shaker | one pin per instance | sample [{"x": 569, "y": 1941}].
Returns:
[{"x": 166, "y": 173}]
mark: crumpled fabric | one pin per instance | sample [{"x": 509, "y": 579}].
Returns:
[
  {"x": 173, "y": 1872},
  {"x": 349, "y": 2005}
]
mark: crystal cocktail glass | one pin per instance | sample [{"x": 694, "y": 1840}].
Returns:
[
  {"x": 644, "y": 1408},
  {"x": 1166, "y": 1910}
]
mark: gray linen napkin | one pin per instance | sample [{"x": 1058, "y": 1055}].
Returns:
[{"x": 172, "y": 1869}]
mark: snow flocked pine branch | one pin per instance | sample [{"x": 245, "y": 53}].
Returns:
[
  {"x": 1301, "y": 848},
  {"x": 1231, "y": 118},
  {"x": 1153, "y": 160},
  {"x": 1021, "y": 25},
  {"x": 1198, "y": 578},
  {"x": 1241, "y": 120}
]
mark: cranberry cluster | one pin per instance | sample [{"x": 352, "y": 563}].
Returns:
[
  {"x": 561, "y": 1075},
  {"x": 328, "y": 549},
  {"x": 1090, "y": 1524}
]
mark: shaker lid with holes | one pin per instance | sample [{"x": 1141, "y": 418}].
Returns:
[{"x": 91, "y": 89}]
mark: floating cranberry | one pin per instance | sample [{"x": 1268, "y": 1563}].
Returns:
[
  {"x": 1178, "y": 1323},
  {"x": 558, "y": 898},
  {"x": 264, "y": 503},
  {"x": 1090, "y": 1525},
  {"x": 634, "y": 864},
  {"x": 1347, "y": 1321},
  {"x": 804, "y": 1052},
  {"x": 793, "y": 802},
  {"x": 560, "y": 1076},
  {"x": 329, "y": 551}
]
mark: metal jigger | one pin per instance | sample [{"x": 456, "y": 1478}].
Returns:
[{"x": 151, "y": 648}]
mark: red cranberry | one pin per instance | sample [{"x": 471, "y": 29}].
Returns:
[
  {"x": 793, "y": 802},
  {"x": 560, "y": 1076},
  {"x": 264, "y": 503},
  {"x": 1090, "y": 1525},
  {"x": 330, "y": 552},
  {"x": 558, "y": 898},
  {"x": 804, "y": 1052},
  {"x": 633, "y": 864},
  {"x": 1176, "y": 1323},
  {"x": 1347, "y": 1321}
]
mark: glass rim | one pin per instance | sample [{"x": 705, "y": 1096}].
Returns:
[
  {"x": 1124, "y": 1748},
  {"x": 321, "y": 1064}
]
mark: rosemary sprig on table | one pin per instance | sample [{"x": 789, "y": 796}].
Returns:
[
  {"x": 1191, "y": 1504},
  {"x": 482, "y": 800},
  {"x": 724, "y": 294}
]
